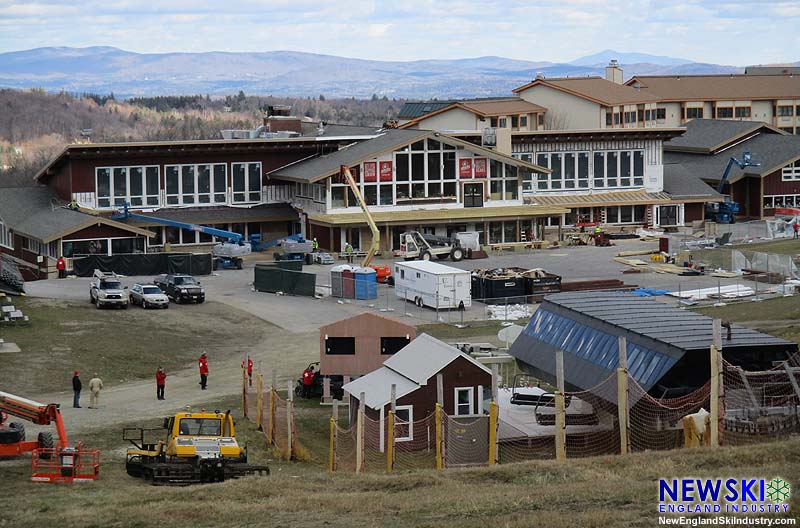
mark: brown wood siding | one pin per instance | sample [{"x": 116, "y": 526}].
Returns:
[
  {"x": 367, "y": 329},
  {"x": 774, "y": 185},
  {"x": 747, "y": 193},
  {"x": 693, "y": 212},
  {"x": 100, "y": 231}
]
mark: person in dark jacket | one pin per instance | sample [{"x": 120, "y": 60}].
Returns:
[
  {"x": 76, "y": 390},
  {"x": 161, "y": 381}
]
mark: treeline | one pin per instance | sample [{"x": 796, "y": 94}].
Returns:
[{"x": 36, "y": 125}]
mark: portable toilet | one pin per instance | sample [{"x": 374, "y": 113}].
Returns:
[
  {"x": 348, "y": 283},
  {"x": 366, "y": 283},
  {"x": 337, "y": 287}
]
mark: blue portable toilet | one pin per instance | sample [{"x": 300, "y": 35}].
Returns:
[{"x": 366, "y": 283}]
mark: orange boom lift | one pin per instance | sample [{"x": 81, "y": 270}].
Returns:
[{"x": 50, "y": 461}]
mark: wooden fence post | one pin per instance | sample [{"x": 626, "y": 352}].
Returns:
[
  {"x": 561, "y": 418},
  {"x": 390, "y": 430},
  {"x": 438, "y": 418},
  {"x": 360, "y": 433},
  {"x": 716, "y": 378},
  {"x": 244, "y": 390},
  {"x": 493, "y": 433},
  {"x": 260, "y": 400},
  {"x": 332, "y": 447},
  {"x": 272, "y": 404},
  {"x": 622, "y": 397},
  {"x": 289, "y": 418}
]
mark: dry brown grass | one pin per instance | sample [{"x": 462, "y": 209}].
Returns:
[{"x": 592, "y": 492}]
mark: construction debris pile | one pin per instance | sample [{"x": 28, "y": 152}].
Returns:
[
  {"x": 513, "y": 284},
  {"x": 508, "y": 312}
]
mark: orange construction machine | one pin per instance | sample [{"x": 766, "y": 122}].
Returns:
[{"x": 50, "y": 461}]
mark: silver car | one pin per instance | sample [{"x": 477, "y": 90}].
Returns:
[
  {"x": 148, "y": 296},
  {"x": 108, "y": 291}
]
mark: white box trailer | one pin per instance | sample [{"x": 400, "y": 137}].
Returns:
[{"x": 427, "y": 283}]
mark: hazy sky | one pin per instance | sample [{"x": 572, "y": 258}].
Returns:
[{"x": 735, "y": 32}]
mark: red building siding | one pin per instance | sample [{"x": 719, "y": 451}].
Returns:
[
  {"x": 747, "y": 193},
  {"x": 774, "y": 185}
]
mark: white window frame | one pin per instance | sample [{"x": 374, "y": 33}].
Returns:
[
  {"x": 410, "y": 409},
  {"x": 196, "y": 193},
  {"x": 456, "y": 391},
  {"x": 128, "y": 197},
  {"x": 6, "y": 236},
  {"x": 618, "y": 216},
  {"x": 791, "y": 172},
  {"x": 618, "y": 178},
  {"x": 545, "y": 182},
  {"x": 247, "y": 190}
]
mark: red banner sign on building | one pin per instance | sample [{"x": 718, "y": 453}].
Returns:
[
  {"x": 386, "y": 171},
  {"x": 370, "y": 171},
  {"x": 465, "y": 168},
  {"x": 480, "y": 167}
]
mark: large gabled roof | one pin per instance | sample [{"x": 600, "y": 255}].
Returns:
[
  {"x": 709, "y": 135},
  {"x": 733, "y": 87},
  {"x": 595, "y": 89},
  {"x": 318, "y": 168},
  {"x": 772, "y": 151},
  {"x": 37, "y": 213}
]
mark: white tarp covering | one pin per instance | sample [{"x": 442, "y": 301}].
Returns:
[
  {"x": 732, "y": 291},
  {"x": 510, "y": 312}
]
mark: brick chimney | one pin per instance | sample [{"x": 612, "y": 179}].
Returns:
[
  {"x": 614, "y": 72},
  {"x": 279, "y": 118}
]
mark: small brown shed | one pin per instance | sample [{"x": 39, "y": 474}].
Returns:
[
  {"x": 360, "y": 344},
  {"x": 413, "y": 371}
]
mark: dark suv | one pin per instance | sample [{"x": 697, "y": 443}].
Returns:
[{"x": 181, "y": 288}]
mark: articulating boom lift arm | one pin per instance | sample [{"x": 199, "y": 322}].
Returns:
[
  {"x": 35, "y": 412},
  {"x": 221, "y": 233},
  {"x": 376, "y": 234},
  {"x": 746, "y": 162}
]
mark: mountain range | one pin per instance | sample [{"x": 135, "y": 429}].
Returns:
[{"x": 291, "y": 73}]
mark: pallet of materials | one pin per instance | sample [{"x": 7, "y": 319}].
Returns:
[{"x": 597, "y": 285}]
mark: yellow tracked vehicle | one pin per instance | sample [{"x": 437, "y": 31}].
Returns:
[{"x": 200, "y": 447}]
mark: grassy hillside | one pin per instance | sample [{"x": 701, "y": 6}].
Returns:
[{"x": 592, "y": 492}]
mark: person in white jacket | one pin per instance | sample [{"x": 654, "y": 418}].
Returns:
[{"x": 95, "y": 386}]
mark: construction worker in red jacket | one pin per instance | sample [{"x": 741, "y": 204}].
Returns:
[
  {"x": 61, "y": 266},
  {"x": 203, "y": 364},
  {"x": 308, "y": 380},
  {"x": 249, "y": 369},
  {"x": 161, "y": 380}
]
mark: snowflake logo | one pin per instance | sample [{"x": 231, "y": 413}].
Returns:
[{"x": 778, "y": 490}]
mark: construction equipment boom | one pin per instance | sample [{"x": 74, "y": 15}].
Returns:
[
  {"x": 722, "y": 212},
  {"x": 229, "y": 252},
  {"x": 376, "y": 234},
  {"x": 50, "y": 462}
]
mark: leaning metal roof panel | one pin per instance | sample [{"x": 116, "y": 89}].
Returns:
[
  {"x": 587, "y": 326},
  {"x": 650, "y": 318}
]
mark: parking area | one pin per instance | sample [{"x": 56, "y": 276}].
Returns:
[{"x": 303, "y": 314}]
